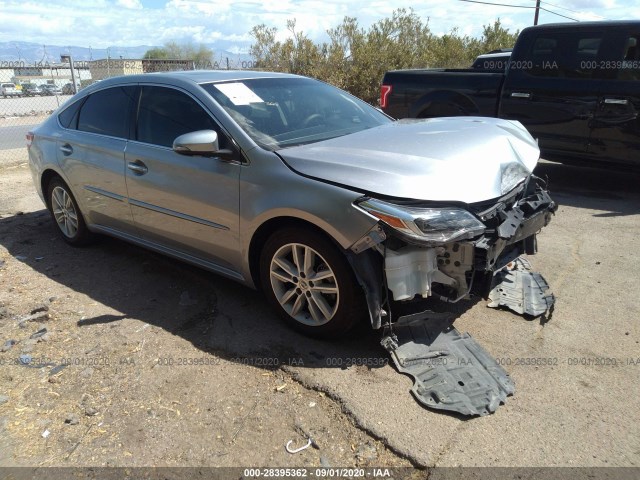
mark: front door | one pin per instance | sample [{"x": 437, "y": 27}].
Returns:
[{"x": 186, "y": 204}]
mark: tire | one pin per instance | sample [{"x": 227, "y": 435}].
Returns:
[
  {"x": 66, "y": 214},
  {"x": 310, "y": 283}
]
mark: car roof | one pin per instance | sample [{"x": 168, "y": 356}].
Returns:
[
  {"x": 184, "y": 78},
  {"x": 586, "y": 25},
  {"x": 197, "y": 76},
  {"x": 204, "y": 76}
]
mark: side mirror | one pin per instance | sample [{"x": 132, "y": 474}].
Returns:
[{"x": 201, "y": 142}]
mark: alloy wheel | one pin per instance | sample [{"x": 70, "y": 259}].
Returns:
[
  {"x": 64, "y": 212},
  {"x": 304, "y": 284}
]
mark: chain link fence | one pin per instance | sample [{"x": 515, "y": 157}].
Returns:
[{"x": 29, "y": 93}]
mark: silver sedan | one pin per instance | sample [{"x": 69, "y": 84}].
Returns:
[{"x": 287, "y": 184}]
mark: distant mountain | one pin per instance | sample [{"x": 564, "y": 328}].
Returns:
[{"x": 30, "y": 53}]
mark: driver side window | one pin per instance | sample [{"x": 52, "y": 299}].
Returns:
[{"x": 166, "y": 113}]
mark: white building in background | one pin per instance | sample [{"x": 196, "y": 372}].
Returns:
[
  {"x": 86, "y": 72},
  {"x": 101, "y": 69},
  {"x": 57, "y": 74}
]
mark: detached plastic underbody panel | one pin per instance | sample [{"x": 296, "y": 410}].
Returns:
[
  {"x": 521, "y": 290},
  {"x": 451, "y": 371}
]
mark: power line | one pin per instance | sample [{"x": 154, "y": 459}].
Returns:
[
  {"x": 559, "y": 14},
  {"x": 497, "y": 4},
  {"x": 568, "y": 9},
  {"x": 520, "y": 6},
  {"x": 561, "y": 8}
]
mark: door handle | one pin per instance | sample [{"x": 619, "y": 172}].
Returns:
[
  {"x": 520, "y": 95},
  {"x": 616, "y": 101},
  {"x": 137, "y": 167},
  {"x": 66, "y": 149}
]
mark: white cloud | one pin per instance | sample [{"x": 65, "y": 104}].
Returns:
[
  {"x": 130, "y": 4},
  {"x": 102, "y": 23},
  {"x": 197, "y": 8}
]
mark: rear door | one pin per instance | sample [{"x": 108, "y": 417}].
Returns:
[
  {"x": 615, "y": 136},
  {"x": 552, "y": 87},
  {"x": 91, "y": 154},
  {"x": 185, "y": 204}
]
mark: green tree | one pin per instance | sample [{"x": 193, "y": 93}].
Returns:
[
  {"x": 265, "y": 49},
  {"x": 297, "y": 54},
  {"x": 355, "y": 58},
  {"x": 156, "y": 53},
  {"x": 173, "y": 50},
  {"x": 496, "y": 36}
]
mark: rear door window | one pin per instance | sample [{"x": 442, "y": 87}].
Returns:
[
  {"x": 107, "y": 112},
  {"x": 68, "y": 118}
]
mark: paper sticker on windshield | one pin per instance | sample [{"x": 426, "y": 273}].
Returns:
[{"x": 238, "y": 93}]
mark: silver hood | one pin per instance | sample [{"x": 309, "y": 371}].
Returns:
[{"x": 466, "y": 159}]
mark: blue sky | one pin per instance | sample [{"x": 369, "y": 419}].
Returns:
[{"x": 102, "y": 23}]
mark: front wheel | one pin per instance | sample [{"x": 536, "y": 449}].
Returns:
[{"x": 310, "y": 283}]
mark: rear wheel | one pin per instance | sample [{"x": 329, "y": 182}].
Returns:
[
  {"x": 66, "y": 214},
  {"x": 310, "y": 283}
]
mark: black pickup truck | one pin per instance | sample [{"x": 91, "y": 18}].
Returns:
[{"x": 576, "y": 87}]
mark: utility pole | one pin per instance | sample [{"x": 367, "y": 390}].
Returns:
[
  {"x": 69, "y": 58},
  {"x": 535, "y": 19}
]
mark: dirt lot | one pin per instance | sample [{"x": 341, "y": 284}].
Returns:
[
  {"x": 27, "y": 105},
  {"x": 146, "y": 384},
  {"x": 170, "y": 365}
]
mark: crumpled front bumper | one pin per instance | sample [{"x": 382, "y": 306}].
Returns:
[
  {"x": 513, "y": 232},
  {"x": 385, "y": 261}
]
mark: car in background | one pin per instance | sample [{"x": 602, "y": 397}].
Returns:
[
  {"x": 574, "y": 86},
  {"x": 51, "y": 89},
  {"x": 32, "y": 90},
  {"x": 287, "y": 184},
  {"x": 10, "y": 90},
  {"x": 494, "y": 60},
  {"x": 67, "y": 89}
]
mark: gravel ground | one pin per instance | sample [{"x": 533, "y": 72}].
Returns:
[
  {"x": 145, "y": 385},
  {"x": 27, "y": 105}
]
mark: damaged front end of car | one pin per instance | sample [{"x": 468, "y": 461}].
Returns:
[
  {"x": 451, "y": 252},
  {"x": 447, "y": 251}
]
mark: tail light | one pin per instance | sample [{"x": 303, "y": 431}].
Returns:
[
  {"x": 385, "y": 90},
  {"x": 29, "y": 139}
]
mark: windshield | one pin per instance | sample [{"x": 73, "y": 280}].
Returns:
[{"x": 283, "y": 112}]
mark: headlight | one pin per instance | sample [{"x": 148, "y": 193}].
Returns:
[{"x": 434, "y": 225}]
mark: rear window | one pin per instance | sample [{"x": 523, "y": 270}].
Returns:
[{"x": 107, "y": 112}]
